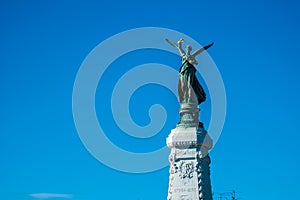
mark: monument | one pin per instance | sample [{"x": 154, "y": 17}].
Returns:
[{"x": 189, "y": 141}]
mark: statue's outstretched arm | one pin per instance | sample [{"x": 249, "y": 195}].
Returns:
[
  {"x": 201, "y": 50},
  {"x": 172, "y": 43},
  {"x": 178, "y": 46}
]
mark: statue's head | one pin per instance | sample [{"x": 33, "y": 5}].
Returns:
[{"x": 188, "y": 48}]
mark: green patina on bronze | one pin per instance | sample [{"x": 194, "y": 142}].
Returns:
[
  {"x": 190, "y": 91},
  {"x": 189, "y": 88}
]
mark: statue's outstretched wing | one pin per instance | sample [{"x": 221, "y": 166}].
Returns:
[
  {"x": 172, "y": 43},
  {"x": 201, "y": 50}
]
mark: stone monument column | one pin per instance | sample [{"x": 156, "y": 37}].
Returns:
[
  {"x": 189, "y": 141},
  {"x": 189, "y": 160}
]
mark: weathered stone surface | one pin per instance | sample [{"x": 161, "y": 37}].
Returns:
[
  {"x": 187, "y": 137},
  {"x": 189, "y": 164}
]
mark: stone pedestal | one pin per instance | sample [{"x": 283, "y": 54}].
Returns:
[{"x": 189, "y": 159}]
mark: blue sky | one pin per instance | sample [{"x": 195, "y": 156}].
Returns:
[{"x": 43, "y": 44}]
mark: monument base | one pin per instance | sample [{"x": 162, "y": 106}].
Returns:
[{"x": 189, "y": 164}]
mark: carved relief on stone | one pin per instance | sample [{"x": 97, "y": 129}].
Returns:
[{"x": 185, "y": 169}]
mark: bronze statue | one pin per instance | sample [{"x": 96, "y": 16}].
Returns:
[{"x": 189, "y": 89}]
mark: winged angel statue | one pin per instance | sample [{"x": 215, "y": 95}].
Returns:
[{"x": 189, "y": 89}]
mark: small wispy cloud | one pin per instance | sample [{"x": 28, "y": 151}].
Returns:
[{"x": 50, "y": 195}]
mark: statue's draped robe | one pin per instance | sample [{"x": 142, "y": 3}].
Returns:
[{"x": 189, "y": 88}]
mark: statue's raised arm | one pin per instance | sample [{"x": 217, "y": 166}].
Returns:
[
  {"x": 178, "y": 46},
  {"x": 172, "y": 43}
]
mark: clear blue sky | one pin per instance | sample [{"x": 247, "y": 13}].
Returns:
[{"x": 43, "y": 44}]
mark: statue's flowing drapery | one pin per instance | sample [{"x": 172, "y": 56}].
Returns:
[{"x": 189, "y": 88}]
